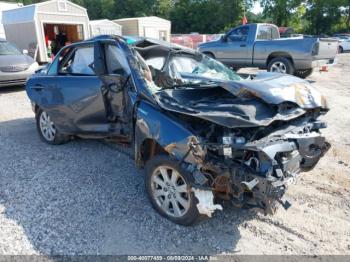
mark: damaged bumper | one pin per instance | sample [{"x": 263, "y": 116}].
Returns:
[{"x": 261, "y": 179}]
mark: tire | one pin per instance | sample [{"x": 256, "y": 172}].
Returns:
[
  {"x": 303, "y": 73},
  {"x": 156, "y": 169},
  {"x": 281, "y": 65},
  {"x": 340, "y": 49},
  {"x": 47, "y": 130}
]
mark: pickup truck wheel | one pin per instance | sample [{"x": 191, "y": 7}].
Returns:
[
  {"x": 47, "y": 130},
  {"x": 340, "y": 50},
  {"x": 167, "y": 185},
  {"x": 303, "y": 73},
  {"x": 281, "y": 65}
]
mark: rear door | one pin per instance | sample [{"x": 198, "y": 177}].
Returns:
[{"x": 71, "y": 92}]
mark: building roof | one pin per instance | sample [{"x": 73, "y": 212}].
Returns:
[
  {"x": 142, "y": 18},
  {"x": 27, "y": 13},
  {"x": 104, "y": 21},
  {"x": 50, "y": 1}
]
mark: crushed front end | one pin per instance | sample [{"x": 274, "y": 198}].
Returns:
[{"x": 253, "y": 167}]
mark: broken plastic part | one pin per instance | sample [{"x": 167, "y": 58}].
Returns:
[
  {"x": 250, "y": 185},
  {"x": 285, "y": 203},
  {"x": 206, "y": 204},
  {"x": 199, "y": 178}
]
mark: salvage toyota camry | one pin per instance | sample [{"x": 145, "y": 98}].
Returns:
[{"x": 200, "y": 131}]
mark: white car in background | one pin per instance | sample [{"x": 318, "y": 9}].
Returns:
[{"x": 344, "y": 43}]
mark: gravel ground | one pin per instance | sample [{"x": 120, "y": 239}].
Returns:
[{"x": 87, "y": 197}]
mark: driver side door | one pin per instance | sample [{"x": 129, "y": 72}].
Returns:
[{"x": 234, "y": 48}]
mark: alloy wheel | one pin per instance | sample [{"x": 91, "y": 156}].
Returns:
[
  {"x": 170, "y": 191},
  {"x": 47, "y": 127},
  {"x": 279, "y": 67}
]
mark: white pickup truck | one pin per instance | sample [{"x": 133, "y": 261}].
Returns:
[{"x": 260, "y": 45}]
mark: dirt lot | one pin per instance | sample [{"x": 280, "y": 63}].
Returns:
[{"x": 86, "y": 197}]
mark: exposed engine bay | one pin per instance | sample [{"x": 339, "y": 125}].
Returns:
[{"x": 253, "y": 136}]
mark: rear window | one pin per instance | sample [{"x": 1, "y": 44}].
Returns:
[{"x": 267, "y": 32}]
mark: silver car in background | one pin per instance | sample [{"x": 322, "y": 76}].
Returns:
[{"x": 15, "y": 66}]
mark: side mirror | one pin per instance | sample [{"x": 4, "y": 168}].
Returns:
[{"x": 25, "y": 51}]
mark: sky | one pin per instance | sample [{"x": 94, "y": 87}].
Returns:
[{"x": 256, "y": 8}]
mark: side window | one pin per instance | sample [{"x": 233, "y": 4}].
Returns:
[
  {"x": 79, "y": 61},
  {"x": 267, "y": 32},
  {"x": 275, "y": 33},
  {"x": 156, "y": 62},
  {"x": 239, "y": 34},
  {"x": 116, "y": 62}
]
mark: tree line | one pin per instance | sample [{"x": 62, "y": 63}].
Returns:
[{"x": 217, "y": 16}]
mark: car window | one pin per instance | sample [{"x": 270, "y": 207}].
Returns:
[
  {"x": 79, "y": 62},
  {"x": 267, "y": 32},
  {"x": 156, "y": 62},
  {"x": 116, "y": 61},
  {"x": 8, "y": 49},
  {"x": 239, "y": 34}
]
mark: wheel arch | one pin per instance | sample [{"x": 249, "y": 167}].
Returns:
[
  {"x": 36, "y": 108},
  {"x": 279, "y": 54},
  {"x": 148, "y": 149}
]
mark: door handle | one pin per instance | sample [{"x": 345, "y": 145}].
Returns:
[
  {"x": 38, "y": 87},
  {"x": 243, "y": 45}
]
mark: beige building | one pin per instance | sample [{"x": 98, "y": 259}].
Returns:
[
  {"x": 151, "y": 26},
  {"x": 44, "y": 27},
  {"x": 105, "y": 27}
]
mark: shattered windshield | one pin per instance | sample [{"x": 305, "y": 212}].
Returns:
[
  {"x": 203, "y": 66},
  {"x": 162, "y": 68}
]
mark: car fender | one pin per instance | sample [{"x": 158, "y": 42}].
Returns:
[{"x": 172, "y": 136}]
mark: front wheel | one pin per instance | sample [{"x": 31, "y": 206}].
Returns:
[
  {"x": 47, "y": 129},
  {"x": 281, "y": 65},
  {"x": 167, "y": 185}
]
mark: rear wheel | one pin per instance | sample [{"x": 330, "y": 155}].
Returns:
[
  {"x": 281, "y": 65},
  {"x": 340, "y": 49},
  {"x": 167, "y": 185},
  {"x": 303, "y": 73},
  {"x": 47, "y": 129}
]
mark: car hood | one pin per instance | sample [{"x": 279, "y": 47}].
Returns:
[
  {"x": 246, "y": 103},
  {"x": 274, "y": 88},
  {"x": 15, "y": 60}
]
